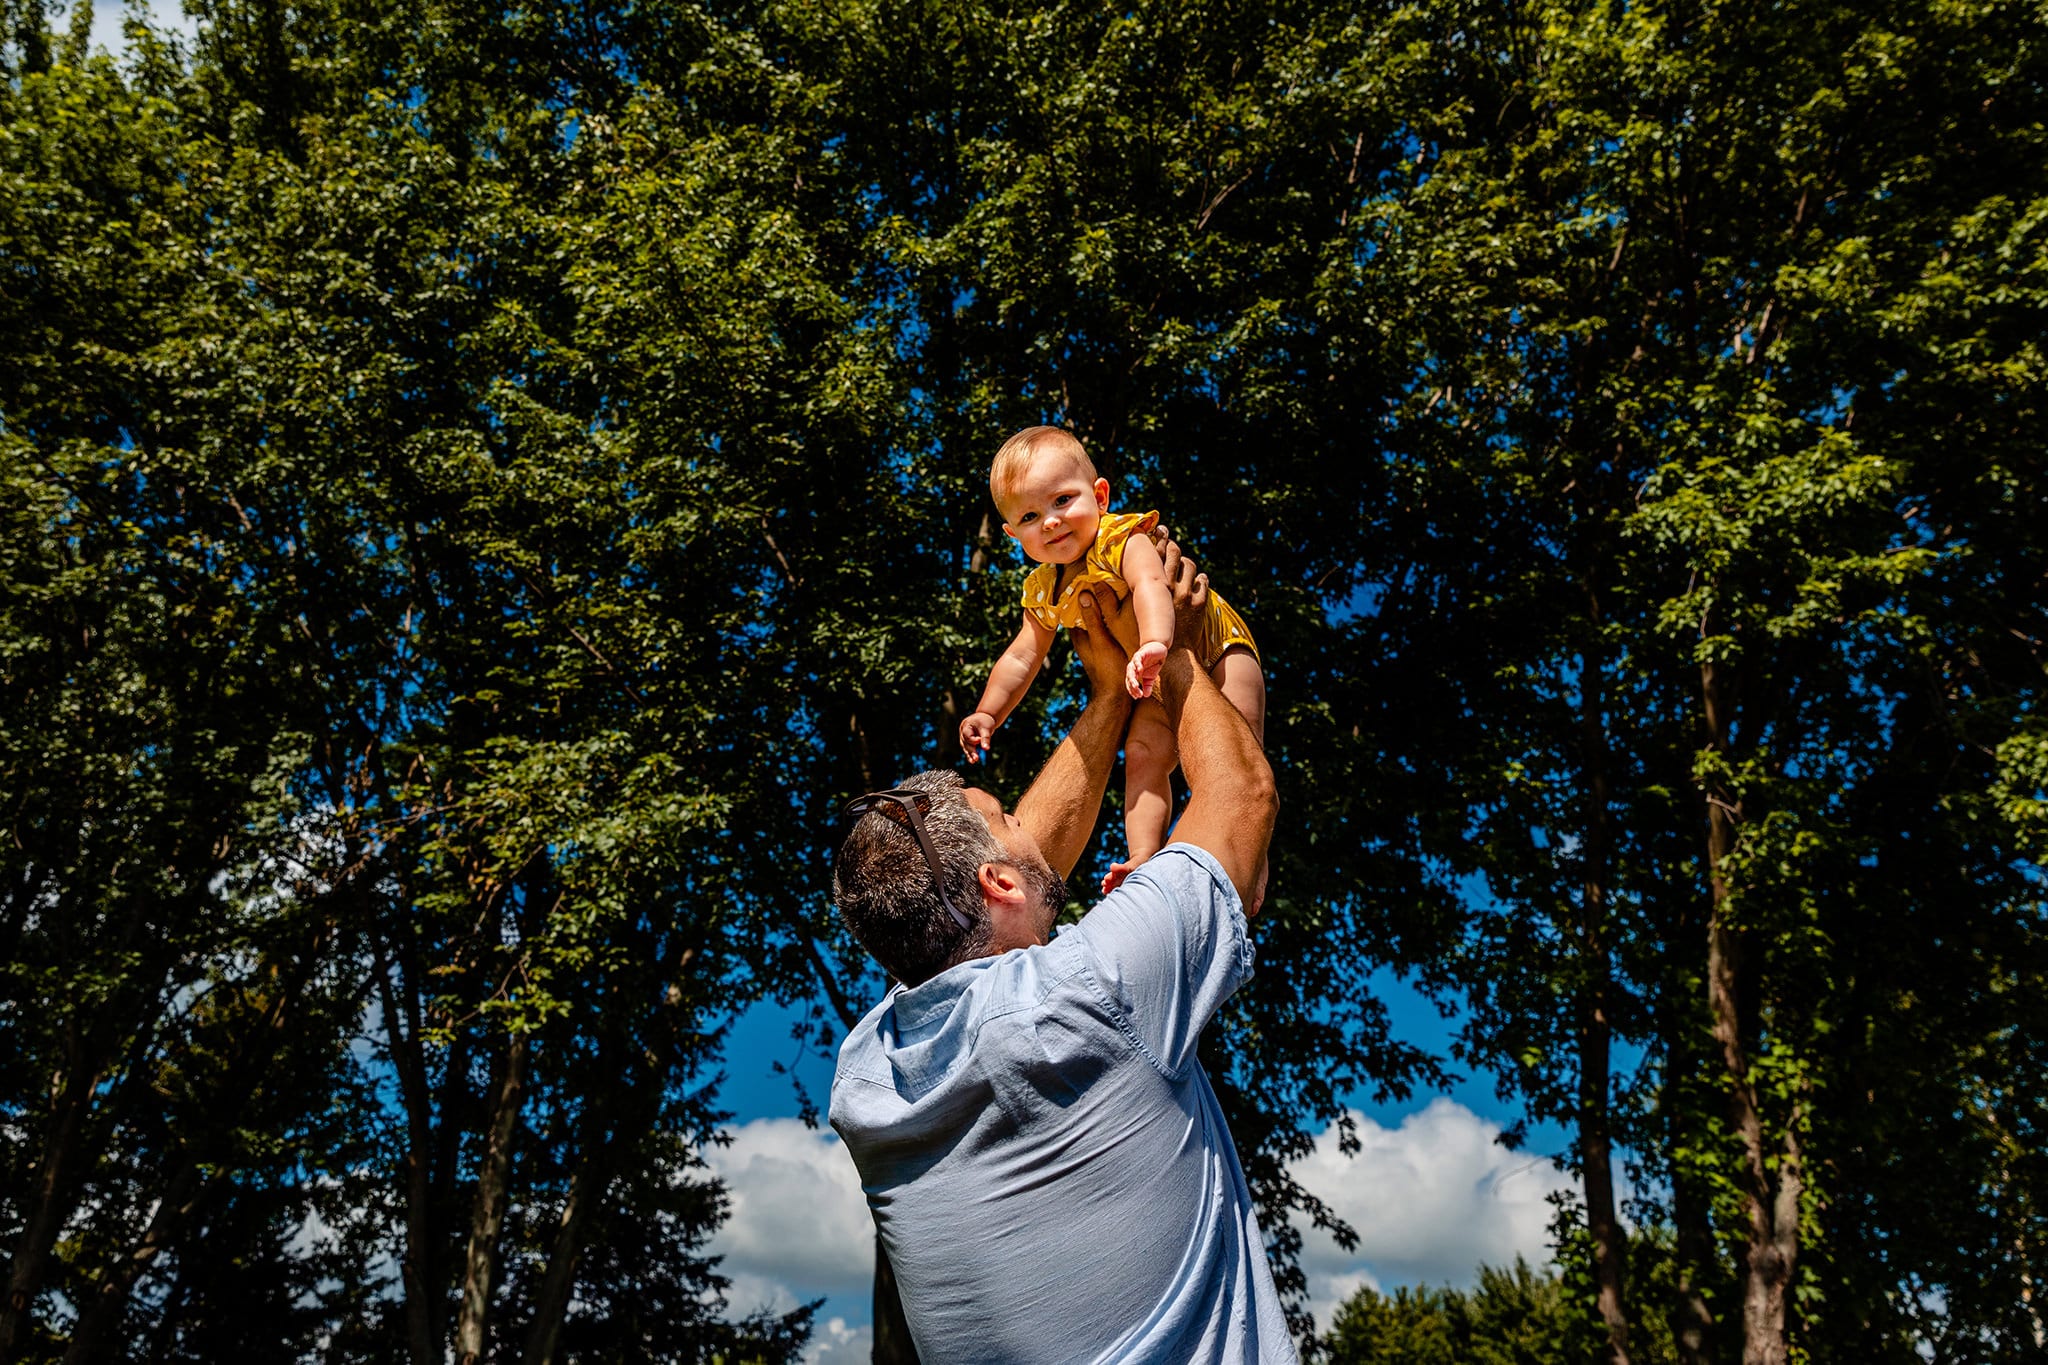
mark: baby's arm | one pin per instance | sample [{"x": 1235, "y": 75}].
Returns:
[
  {"x": 1008, "y": 681},
  {"x": 1152, "y": 602}
]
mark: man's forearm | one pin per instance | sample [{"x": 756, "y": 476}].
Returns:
[
  {"x": 1060, "y": 809},
  {"x": 1233, "y": 805},
  {"x": 1217, "y": 747}
]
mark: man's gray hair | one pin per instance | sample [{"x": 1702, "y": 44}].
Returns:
[{"x": 885, "y": 892}]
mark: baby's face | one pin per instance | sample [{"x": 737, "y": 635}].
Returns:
[{"x": 1052, "y": 508}]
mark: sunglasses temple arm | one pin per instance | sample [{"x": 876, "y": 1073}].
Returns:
[{"x": 931, "y": 857}]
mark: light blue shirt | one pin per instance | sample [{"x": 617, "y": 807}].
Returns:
[{"x": 1045, "y": 1159}]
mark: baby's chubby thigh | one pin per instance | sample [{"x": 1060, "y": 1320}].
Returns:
[{"x": 1242, "y": 682}]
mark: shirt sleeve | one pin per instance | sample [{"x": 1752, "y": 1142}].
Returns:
[{"x": 1168, "y": 947}]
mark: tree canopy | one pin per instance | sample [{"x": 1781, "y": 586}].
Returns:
[{"x": 479, "y": 487}]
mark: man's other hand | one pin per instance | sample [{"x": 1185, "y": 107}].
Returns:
[
  {"x": 1190, "y": 590},
  {"x": 1102, "y": 656}
]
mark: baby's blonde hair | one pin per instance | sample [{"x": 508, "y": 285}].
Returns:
[{"x": 1020, "y": 450}]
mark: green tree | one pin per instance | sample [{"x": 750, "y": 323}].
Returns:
[
  {"x": 1513, "y": 1316},
  {"x": 479, "y": 488},
  {"x": 469, "y": 849},
  {"x": 1650, "y": 254}
]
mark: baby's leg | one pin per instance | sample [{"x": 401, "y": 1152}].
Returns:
[
  {"x": 1149, "y": 756},
  {"x": 1240, "y": 679}
]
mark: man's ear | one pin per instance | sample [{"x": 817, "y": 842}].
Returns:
[
  {"x": 1000, "y": 883},
  {"x": 1102, "y": 495}
]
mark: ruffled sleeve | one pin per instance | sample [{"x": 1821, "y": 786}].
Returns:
[
  {"x": 1038, "y": 596},
  {"x": 1107, "y": 555}
]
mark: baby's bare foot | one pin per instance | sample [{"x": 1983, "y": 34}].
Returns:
[{"x": 1114, "y": 878}]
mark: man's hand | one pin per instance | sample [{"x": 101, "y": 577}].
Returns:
[
  {"x": 1060, "y": 809},
  {"x": 1102, "y": 657},
  {"x": 1190, "y": 590},
  {"x": 975, "y": 733}
]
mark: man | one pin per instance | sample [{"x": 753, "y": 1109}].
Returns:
[{"x": 1046, "y": 1162}]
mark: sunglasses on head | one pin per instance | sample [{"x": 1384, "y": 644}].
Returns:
[{"x": 908, "y": 808}]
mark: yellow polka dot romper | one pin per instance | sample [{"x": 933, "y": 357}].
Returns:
[{"x": 1221, "y": 626}]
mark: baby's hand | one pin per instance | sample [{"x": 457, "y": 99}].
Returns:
[
  {"x": 975, "y": 732},
  {"x": 1141, "y": 674}
]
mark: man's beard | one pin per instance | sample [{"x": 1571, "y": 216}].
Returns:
[{"x": 1051, "y": 889}]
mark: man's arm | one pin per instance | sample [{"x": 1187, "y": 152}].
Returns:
[
  {"x": 1233, "y": 801},
  {"x": 1060, "y": 809}
]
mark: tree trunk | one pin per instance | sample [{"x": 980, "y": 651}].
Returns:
[
  {"x": 551, "y": 1304},
  {"x": 633, "y": 1109},
  {"x": 421, "y": 1285},
  {"x": 1682, "y": 1105},
  {"x": 1596, "y": 1160},
  {"x": 99, "y": 1315},
  {"x": 1771, "y": 1259},
  {"x": 1771, "y": 1206},
  {"x": 893, "y": 1345},
  {"x": 1596, "y": 1146},
  {"x": 493, "y": 1194},
  {"x": 50, "y": 1203},
  {"x": 1692, "y": 1320},
  {"x": 2018, "y": 1212}
]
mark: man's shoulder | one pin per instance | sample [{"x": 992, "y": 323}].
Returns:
[
  {"x": 860, "y": 1049},
  {"x": 1190, "y": 860},
  {"x": 917, "y": 1037},
  {"x": 1179, "y": 891},
  {"x": 1180, "y": 871},
  {"x": 1166, "y": 949}
]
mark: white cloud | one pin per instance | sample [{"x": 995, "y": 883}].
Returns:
[
  {"x": 1431, "y": 1201},
  {"x": 835, "y": 1343},
  {"x": 799, "y": 1227},
  {"x": 108, "y": 16}
]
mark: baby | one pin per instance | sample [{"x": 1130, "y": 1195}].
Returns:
[{"x": 1057, "y": 508}]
